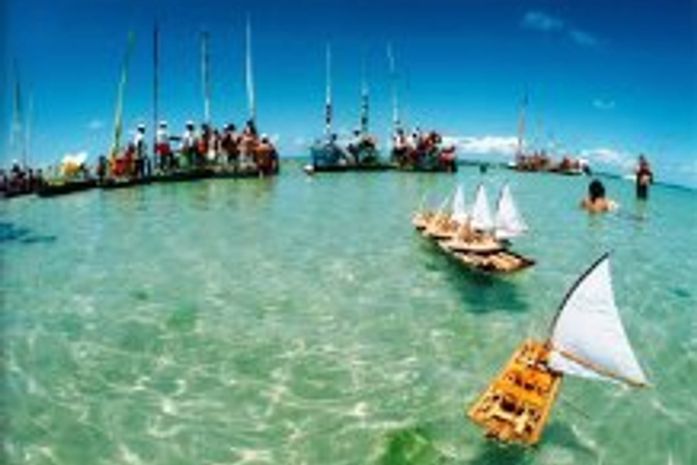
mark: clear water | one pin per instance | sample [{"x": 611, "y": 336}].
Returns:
[{"x": 301, "y": 320}]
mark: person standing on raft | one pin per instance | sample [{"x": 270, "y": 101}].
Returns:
[{"x": 644, "y": 178}]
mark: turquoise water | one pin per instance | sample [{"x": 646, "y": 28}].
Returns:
[{"x": 301, "y": 320}]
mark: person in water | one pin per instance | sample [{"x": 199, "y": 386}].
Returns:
[
  {"x": 644, "y": 178},
  {"x": 596, "y": 202}
]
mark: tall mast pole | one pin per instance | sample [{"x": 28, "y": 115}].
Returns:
[
  {"x": 205, "y": 78},
  {"x": 393, "y": 84},
  {"x": 118, "y": 117},
  {"x": 521, "y": 124},
  {"x": 364, "y": 102},
  {"x": 328, "y": 94},
  {"x": 249, "y": 76},
  {"x": 155, "y": 83}
]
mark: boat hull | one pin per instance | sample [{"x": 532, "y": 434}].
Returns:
[
  {"x": 517, "y": 404},
  {"x": 501, "y": 262},
  {"x": 68, "y": 187}
]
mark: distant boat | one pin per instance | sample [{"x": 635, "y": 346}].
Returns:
[
  {"x": 586, "y": 339},
  {"x": 480, "y": 240},
  {"x": 424, "y": 152},
  {"x": 361, "y": 154}
]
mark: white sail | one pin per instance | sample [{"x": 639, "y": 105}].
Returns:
[
  {"x": 249, "y": 76},
  {"x": 459, "y": 206},
  {"x": 508, "y": 221},
  {"x": 588, "y": 338},
  {"x": 481, "y": 213}
]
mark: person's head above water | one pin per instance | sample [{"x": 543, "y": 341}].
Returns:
[{"x": 596, "y": 190}]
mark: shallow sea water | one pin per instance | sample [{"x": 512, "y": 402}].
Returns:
[{"x": 301, "y": 320}]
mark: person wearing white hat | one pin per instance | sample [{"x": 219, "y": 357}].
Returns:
[
  {"x": 188, "y": 142},
  {"x": 163, "y": 151},
  {"x": 140, "y": 154}
]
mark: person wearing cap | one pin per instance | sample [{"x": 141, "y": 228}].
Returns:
[
  {"x": 188, "y": 142},
  {"x": 163, "y": 151},
  {"x": 228, "y": 145},
  {"x": 139, "y": 155}
]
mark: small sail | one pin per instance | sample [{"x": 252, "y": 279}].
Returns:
[
  {"x": 588, "y": 338},
  {"x": 508, "y": 221},
  {"x": 444, "y": 204},
  {"x": 249, "y": 77},
  {"x": 459, "y": 206},
  {"x": 481, "y": 213},
  {"x": 328, "y": 96}
]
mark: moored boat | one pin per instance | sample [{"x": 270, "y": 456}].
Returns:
[
  {"x": 53, "y": 188},
  {"x": 586, "y": 339},
  {"x": 329, "y": 155}
]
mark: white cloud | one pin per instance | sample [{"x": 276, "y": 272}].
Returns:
[
  {"x": 484, "y": 145},
  {"x": 541, "y": 21},
  {"x": 583, "y": 38},
  {"x": 603, "y": 104},
  {"x": 545, "y": 22},
  {"x": 95, "y": 125},
  {"x": 610, "y": 157}
]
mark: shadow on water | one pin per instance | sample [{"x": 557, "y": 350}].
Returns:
[
  {"x": 482, "y": 292},
  {"x": 411, "y": 446},
  {"x": 563, "y": 435},
  {"x": 499, "y": 454},
  {"x": 9, "y": 232}
]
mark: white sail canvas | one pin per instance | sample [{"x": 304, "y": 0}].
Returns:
[
  {"x": 459, "y": 206},
  {"x": 481, "y": 213},
  {"x": 508, "y": 221},
  {"x": 588, "y": 339}
]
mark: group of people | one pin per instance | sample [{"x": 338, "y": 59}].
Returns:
[
  {"x": 421, "y": 150},
  {"x": 598, "y": 202},
  {"x": 204, "y": 148},
  {"x": 361, "y": 149},
  {"x": 20, "y": 180},
  {"x": 536, "y": 161}
]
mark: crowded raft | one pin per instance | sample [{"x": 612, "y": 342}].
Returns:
[
  {"x": 474, "y": 237},
  {"x": 423, "y": 152},
  {"x": 204, "y": 154}
]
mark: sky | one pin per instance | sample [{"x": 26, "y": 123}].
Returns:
[{"x": 606, "y": 80}]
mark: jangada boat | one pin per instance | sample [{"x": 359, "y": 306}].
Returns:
[
  {"x": 328, "y": 154},
  {"x": 482, "y": 242},
  {"x": 446, "y": 225},
  {"x": 586, "y": 339},
  {"x": 53, "y": 188}
]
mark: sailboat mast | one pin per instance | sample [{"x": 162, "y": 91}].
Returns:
[
  {"x": 205, "y": 78},
  {"x": 521, "y": 125},
  {"x": 27, "y": 132},
  {"x": 328, "y": 94},
  {"x": 118, "y": 117},
  {"x": 155, "y": 83},
  {"x": 17, "y": 140},
  {"x": 364, "y": 102},
  {"x": 393, "y": 84},
  {"x": 249, "y": 73}
]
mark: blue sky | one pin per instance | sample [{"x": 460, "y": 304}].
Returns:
[{"x": 605, "y": 79}]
